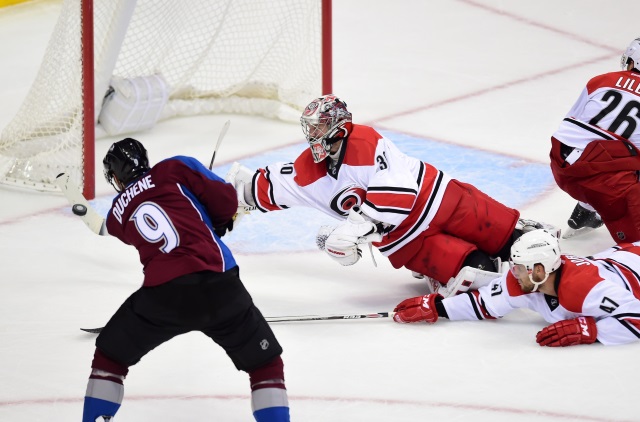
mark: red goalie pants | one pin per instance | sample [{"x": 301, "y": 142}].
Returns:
[
  {"x": 467, "y": 220},
  {"x": 605, "y": 177}
]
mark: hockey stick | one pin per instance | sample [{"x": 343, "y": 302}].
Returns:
[
  {"x": 223, "y": 132},
  {"x": 81, "y": 207},
  {"x": 299, "y": 318},
  {"x": 329, "y": 317},
  {"x": 79, "y": 204}
]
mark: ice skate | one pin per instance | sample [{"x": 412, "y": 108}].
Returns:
[{"x": 582, "y": 221}]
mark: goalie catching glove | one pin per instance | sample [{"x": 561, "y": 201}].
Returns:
[{"x": 342, "y": 242}]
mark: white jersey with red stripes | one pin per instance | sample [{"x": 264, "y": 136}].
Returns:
[
  {"x": 606, "y": 288},
  {"x": 609, "y": 104},
  {"x": 390, "y": 187}
]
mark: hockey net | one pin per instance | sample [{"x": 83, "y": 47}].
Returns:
[{"x": 261, "y": 57}]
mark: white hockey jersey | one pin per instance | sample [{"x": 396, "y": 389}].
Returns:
[
  {"x": 391, "y": 187},
  {"x": 606, "y": 287},
  {"x": 609, "y": 104}
]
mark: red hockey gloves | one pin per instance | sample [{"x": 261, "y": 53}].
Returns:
[
  {"x": 416, "y": 309},
  {"x": 569, "y": 332}
]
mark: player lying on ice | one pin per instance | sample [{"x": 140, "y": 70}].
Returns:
[
  {"x": 415, "y": 214},
  {"x": 585, "y": 299}
]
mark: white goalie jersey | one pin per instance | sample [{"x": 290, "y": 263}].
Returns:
[
  {"x": 606, "y": 287},
  {"x": 389, "y": 186}
]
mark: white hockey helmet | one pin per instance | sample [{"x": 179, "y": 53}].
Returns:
[
  {"x": 535, "y": 247},
  {"x": 631, "y": 53},
  {"x": 325, "y": 121}
]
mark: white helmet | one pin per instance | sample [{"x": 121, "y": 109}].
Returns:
[
  {"x": 325, "y": 121},
  {"x": 536, "y": 247},
  {"x": 631, "y": 53}
]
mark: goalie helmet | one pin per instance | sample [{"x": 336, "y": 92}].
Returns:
[
  {"x": 325, "y": 121},
  {"x": 631, "y": 53},
  {"x": 126, "y": 160},
  {"x": 535, "y": 247}
]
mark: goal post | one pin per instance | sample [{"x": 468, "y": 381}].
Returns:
[{"x": 119, "y": 66}]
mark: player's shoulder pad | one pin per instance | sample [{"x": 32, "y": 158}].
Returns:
[
  {"x": 605, "y": 80},
  {"x": 361, "y": 146},
  {"x": 577, "y": 279},
  {"x": 191, "y": 163},
  {"x": 307, "y": 170}
]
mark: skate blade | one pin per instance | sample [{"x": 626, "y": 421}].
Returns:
[{"x": 570, "y": 233}]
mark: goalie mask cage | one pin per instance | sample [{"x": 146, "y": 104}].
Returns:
[{"x": 264, "y": 57}]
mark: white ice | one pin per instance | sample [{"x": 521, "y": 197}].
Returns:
[{"x": 491, "y": 76}]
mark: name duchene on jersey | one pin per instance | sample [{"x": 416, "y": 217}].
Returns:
[{"x": 131, "y": 192}]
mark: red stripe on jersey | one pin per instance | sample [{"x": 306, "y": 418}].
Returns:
[
  {"x": 390, "y": 199},
  {"x": 635, "y": 322},
  {"x": 426, "y": 186},
  {"x": 623, "y": 81},
  {"x": 480, "y": 303},
  {"x": 263, "y": 191},
  {"x": 632, "y": 278}
]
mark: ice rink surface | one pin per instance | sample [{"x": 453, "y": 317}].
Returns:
[{"x": 477, "y": 87}]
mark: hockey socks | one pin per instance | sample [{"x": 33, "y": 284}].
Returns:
[
  {"x": 105, "y": 389},
  {"x": 104, "y": 396},
  {"x": 269, "y": 400}
]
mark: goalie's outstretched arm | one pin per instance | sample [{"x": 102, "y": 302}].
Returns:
[{"x": 80, "y": 206}]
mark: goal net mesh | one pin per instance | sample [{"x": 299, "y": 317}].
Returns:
[{"x": 236, "y": 56}]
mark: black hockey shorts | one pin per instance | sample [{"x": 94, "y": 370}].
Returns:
[{"x": 216, "y": 304}]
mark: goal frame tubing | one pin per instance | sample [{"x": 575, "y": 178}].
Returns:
[{"x": 88, "y": 88}]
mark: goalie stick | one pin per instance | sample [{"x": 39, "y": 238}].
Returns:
[
  {"x": 299, "y": 318},
  {"x": 223, "y": 132}
]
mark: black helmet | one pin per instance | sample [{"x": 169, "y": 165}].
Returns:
[{"x": 126, "y": 160}]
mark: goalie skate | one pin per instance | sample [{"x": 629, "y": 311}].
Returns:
[
  {"x": 570, "y": 233},
  {"x": 432, "y": 285}
]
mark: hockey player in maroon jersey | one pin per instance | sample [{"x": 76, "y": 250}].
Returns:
[
  {"x": 585, "y": 299},
  {"x": 416, "y": 215},
  {"x": 594, "y": 152},
  {"x": 174, "y": 214}
]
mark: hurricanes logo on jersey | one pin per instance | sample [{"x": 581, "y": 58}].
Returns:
[{"x": 347, "y": 198}]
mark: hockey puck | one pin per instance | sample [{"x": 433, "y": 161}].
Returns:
[{"x": 79, "y": 209}]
